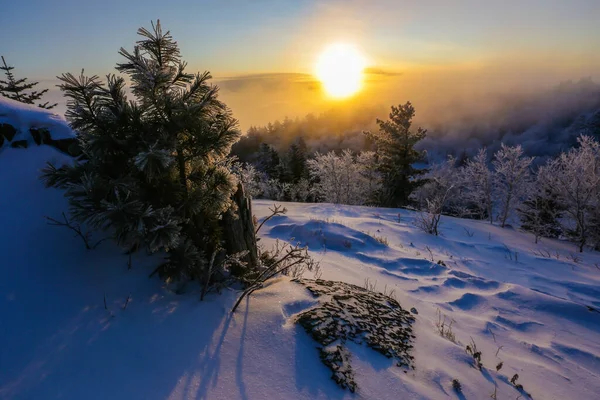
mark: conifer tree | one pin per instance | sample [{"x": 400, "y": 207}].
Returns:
[
  {"x": 21, "y": 89},
  {"x": 395, "y": 142},
  {"x": 297, "y": 161},
  {"x": 269, "y": 162},
  {"x": 156, "y": 172}
]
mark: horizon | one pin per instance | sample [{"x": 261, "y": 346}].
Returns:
[{"x": 430, "y": 53}]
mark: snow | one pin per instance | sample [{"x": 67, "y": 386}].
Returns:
[
  {"x": 58, "y": 341},
  {"x": 25, "y": 116}
]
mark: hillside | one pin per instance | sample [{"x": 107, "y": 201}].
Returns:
[{"x": 78, "y": 324}]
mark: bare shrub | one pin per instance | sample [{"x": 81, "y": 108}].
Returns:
[
  {"x": 284, "y": 258},
  {"x": 444, "y": 327}
]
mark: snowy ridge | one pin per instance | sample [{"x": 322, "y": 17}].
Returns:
[
  {"x": 23, "y": 117},
  {"x": 536, "y": 314}
]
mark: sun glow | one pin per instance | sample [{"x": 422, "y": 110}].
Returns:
[{"x": 340, "y": 70}]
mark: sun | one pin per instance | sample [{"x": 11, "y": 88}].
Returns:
[{"x": 340, "y": 69}]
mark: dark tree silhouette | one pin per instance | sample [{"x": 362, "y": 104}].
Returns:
[{"x": 21, "y": 89}]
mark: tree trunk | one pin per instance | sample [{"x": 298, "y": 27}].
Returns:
[{"x": 238, "y": 230}]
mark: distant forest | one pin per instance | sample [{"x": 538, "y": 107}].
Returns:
[{"x": 544, "y": 124}]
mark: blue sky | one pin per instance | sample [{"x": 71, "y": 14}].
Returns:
[{"x": 236, "y": 37}]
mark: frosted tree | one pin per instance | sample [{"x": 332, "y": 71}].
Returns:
[
  {"x": 274, "y": 189},
  {"x": 540, "y": 212},
  {"x": 21, "y": 89},
  {"x": 478, "y": 181},
  {"x": 435, "y": 195},
  {"x": 156, "y": 173},
  {"x": 329, "y": 170},
  {"x": 344, "y": 178},
  {"x": 249, "y": 177},
  {"x": 395, "y": 143},
  {"x": 574, "y": 178},
  {"x": 300, "y": 191},
  {"x": 512, "y": 173}
]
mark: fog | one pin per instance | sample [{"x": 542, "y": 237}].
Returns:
[
  {"x": 464, "y": 109},
  {"x": 541, "y": 105}
]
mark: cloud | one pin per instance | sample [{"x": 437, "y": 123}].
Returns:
[
  {"x": 266, "y": 81},
  {"x": 376, "y": 71}
]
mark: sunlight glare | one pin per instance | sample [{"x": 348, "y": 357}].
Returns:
[{"x": 340, "y": 70}]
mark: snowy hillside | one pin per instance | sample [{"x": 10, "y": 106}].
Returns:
[{"x": 532, "y": 307}]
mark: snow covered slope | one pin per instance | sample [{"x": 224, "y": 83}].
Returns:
[{"x": 538, "y": 315}]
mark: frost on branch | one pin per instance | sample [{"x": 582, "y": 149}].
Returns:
[
  {"x": 345, "y": 179},
  {"x": 574, "y": 179},
  {"x": 436, "y": 195},
  {"x": 513, "y": 175}
]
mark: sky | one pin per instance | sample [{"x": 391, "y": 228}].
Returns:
[{"x": 268, "y": 48}]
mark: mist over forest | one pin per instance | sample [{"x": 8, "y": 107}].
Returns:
[{"x": 544, "y": 122}]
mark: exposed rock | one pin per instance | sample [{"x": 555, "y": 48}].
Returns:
[
  {"x": 19, "y": 144},
  {"x": 7, "y": 132},
  {"x": 349, "y": 312},
  {"x": 40, "y": 135}
]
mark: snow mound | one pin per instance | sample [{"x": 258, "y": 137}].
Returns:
[{"x": 23, "y": 123}]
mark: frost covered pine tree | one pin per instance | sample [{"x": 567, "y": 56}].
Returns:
[
  {"x": 395, "y": 146},
  {"x": 21, "y": 89},
  {"x": 156, "y": 172},
  {"x": 512, "y": 177},
  {"x": 574, "y": 178}
]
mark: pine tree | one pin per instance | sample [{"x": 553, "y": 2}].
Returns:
[
  {"x": 297, "y": 161},
  {"x": 269, "y": 161},
  {"x": 20, "y": 89},
  {"x": 157, "y": 173},
  {"x": 395, "y": 143}
]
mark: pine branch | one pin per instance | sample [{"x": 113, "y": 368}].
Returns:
[{"x": 77, "y": 229}]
